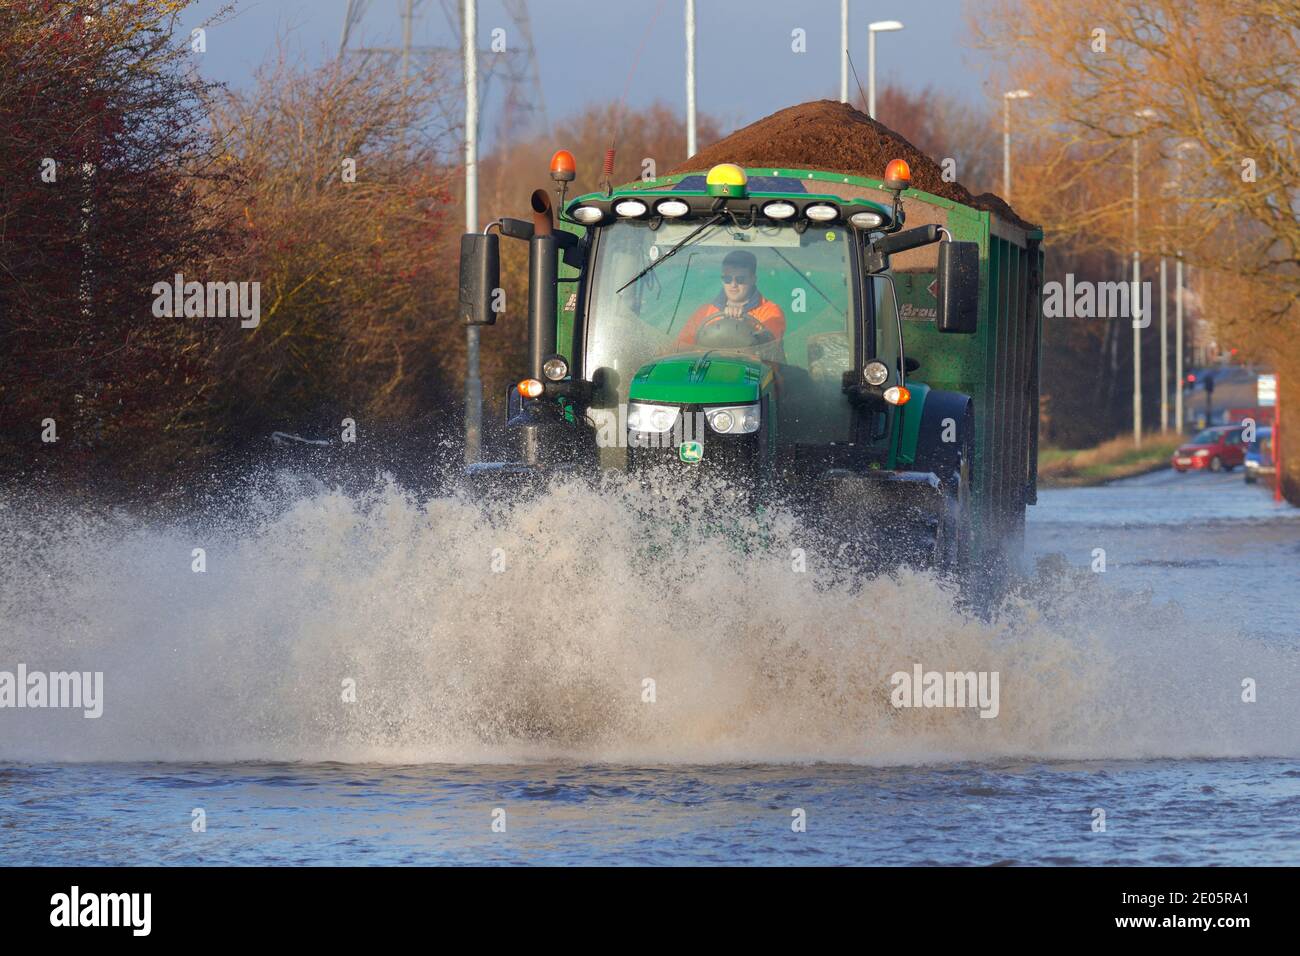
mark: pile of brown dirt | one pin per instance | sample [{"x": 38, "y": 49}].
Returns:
[{"x": 835, "y": 137}]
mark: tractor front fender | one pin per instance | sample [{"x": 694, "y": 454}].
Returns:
[{"x": 946, "y": 431}]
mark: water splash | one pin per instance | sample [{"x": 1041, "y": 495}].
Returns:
[{"x": 528, "y": 632}]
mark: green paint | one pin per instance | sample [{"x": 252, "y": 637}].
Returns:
[
  {"x": 566, "y": 297},
  {"x": 729, "y": 190},
  {"x": 701, "y": 378},
  {"x": 907, "y": 423}
]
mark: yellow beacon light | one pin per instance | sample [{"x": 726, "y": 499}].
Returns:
[{"x": 727, "y": 179}]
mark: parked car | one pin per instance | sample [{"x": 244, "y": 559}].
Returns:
[
  {"x": 1259, "y": 455},
  {"x": 1213, "y": 449}
]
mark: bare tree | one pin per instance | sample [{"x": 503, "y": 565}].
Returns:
[{"x": 346, "y": 206}]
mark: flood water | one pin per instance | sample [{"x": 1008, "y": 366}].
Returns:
[{"x": 379, "y": 679}]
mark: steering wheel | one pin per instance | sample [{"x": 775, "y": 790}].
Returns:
[{"x": 723, "y": 332}]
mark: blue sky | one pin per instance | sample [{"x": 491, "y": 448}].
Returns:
[{"x": 586, "y": 48}]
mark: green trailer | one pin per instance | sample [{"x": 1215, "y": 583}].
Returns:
[
  {"x": 998, "y": 366},
  {"x": 846, "y": 342}
]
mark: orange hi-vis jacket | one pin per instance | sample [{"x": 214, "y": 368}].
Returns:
[{"x": 767, "y": 312}]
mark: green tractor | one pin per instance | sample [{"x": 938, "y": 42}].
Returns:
[{"x": 755, "y": 324}]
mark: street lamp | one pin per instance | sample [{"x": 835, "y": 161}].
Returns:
[
  {"x": 1164, "y": 338},
  {"x": 473, "y": 378},
  {"x": 1178, "y": 291},
  {"x": 690, "y": 77},
  {"x": 880, "y": 26},
  {"x": 844, "y": 51},
  {"x": 1007, "y": 97},
  {"x": 1135, "y": 300}
]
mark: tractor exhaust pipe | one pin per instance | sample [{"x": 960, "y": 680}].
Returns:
[
  {"x": 543, "y": 213},
  {"x": 543, "y": 272}
]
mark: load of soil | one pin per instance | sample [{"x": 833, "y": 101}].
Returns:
[{"x": 835, "y": 137}]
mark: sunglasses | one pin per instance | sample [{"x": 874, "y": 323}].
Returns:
[{"x": 738, "y": 278}]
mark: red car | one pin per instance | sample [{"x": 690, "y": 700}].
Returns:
[{"x": 1214, "y": 449}]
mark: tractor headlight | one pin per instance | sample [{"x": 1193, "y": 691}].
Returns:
[
  {"x": 867, "y": 220},
  {"x": 555, "y": 368},
  {"x": 779, "y": 210},
  {"x": 733, "y": 419},
  {"x": 651, "y": 418},
  {"x": 876, "y": 373},
  {"x": 630, "y": 208}
]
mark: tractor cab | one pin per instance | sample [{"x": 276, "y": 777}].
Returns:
[{"x": 737, "y": 325}]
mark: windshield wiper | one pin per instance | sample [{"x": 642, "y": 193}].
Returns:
[{"x": 673, "y": 251}]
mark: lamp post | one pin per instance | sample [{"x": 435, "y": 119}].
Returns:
[
  {"x": 690, "y": 77},
  {"x": 1135, "y": 300},
  {"x": 844, "y": 51},
  {"x": 880, "y": 26},
  {"x": 1178, "y": 293},
  {"x": 1007, "y": 97},
  {"x": 473, "y": 381},
  {"x": 1164, "y": 348}
]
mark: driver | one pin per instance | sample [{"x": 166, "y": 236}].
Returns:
[{"x": 739, "y": 304}]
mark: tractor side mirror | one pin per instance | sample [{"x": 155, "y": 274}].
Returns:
[
  {"x": 480, "y": 277},
  {"x": 959, "y": 287}
]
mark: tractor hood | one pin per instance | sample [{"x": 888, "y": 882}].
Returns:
[{"x": 702, "y": 378}]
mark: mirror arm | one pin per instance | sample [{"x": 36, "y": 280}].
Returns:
[{"x": 879, "y": 250}]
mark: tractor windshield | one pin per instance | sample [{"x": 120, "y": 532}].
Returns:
[{"x": 770, "y": 291}]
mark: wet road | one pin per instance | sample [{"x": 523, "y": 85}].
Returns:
[{"x": 1221, "y": 549}]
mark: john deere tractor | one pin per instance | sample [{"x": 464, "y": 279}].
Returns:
[{"x": 749, "y": 324}]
